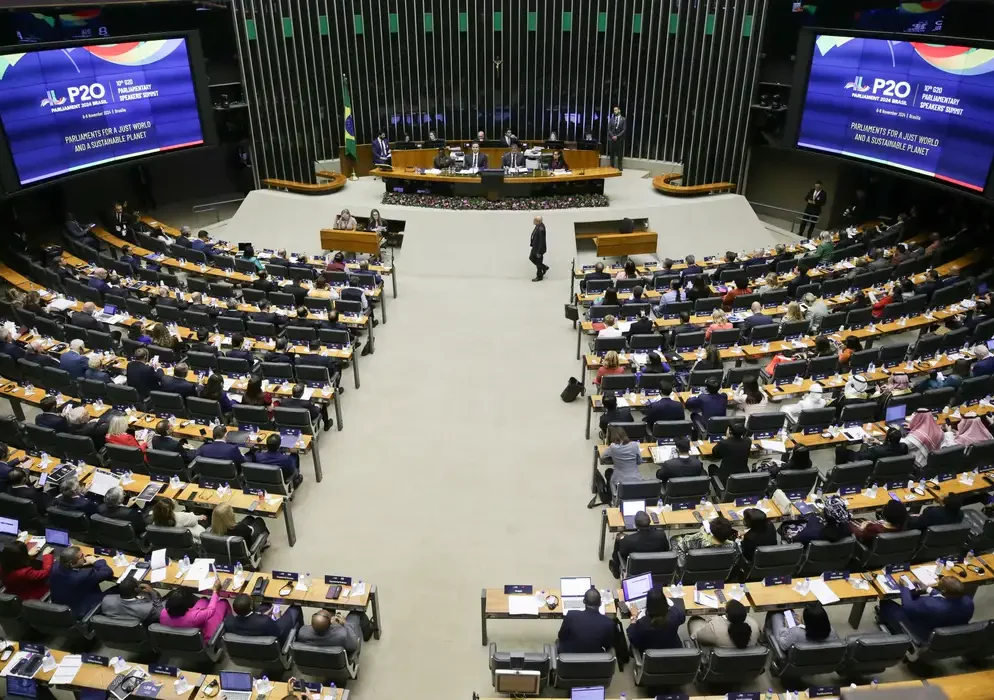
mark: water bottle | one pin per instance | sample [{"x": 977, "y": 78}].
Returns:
[
  {"x": 238, "y": 569},
  {"x": 769, "y": 694},
  {"x": 334, "y": 690},
  {"x": 186, "y": 562},
  {"x": 659, "y": 503},
  {"x": 969, "y": 555},
  {"x": 623, "y": 696},
  {"x": 873, "y": 684}
]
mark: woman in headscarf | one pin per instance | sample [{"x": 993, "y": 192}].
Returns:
[
  {"x": 924, "y": 438},
  {"x": 971, "y": 429}
]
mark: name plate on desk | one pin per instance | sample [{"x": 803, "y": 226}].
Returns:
[
  {"x": 709, "y": 585},
  {"x": 742, "y": 696},
  {"x": 513, "y": 589},
  {"x": 849, "y": 490},
  {"x": 673, "y": 696},
  {"x": 33, "y": 648},
  {"x": 333, "y": 580},
  {"x": 946, "y": 477},
  {"x": 776, "y": 580},
  {"x": 285, "y": 575},
  {"x": 823, "y": 691},
  {"x": 835, "y": 575},
  {"x": 747, "y": 501},
  {"x": 207, "y": 484},
  {"x": 665, "y": 441},
  {"x": 897, "y": 568},
  {"x": 255, "y": 492},
  {"x": 896, "y": 485},
  {"x": 811, "y": 431},
  {"x": 797, "y": 495},
  {"x": 163, "y": 670},
  {"x": 96, "y": 659},
  {"x": 224, "y": 568},
  {"x": 986, "y": 468},
  {"x": 104, "y": 551},
  {"x": 310, "y": 686},
  {"x": 685, "y": 505}
]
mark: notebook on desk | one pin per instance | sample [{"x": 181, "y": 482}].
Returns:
[{"x": 572, "y": 591}]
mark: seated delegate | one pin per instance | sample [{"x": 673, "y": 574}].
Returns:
[
  {"x": 333, "y": 630},
  {"x": 586, "y": 631},
  {"x": 184, "y": 609},
  {"x": 659, "y": 627},
  {"x": 921, "y": 611},
  {"x": 250, "y": 623},
  {"x": 75, "y": 580},
  {"x": 645, "y": 539}
]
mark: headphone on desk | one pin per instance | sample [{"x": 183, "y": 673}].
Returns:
[{"x": 287, "y": 589}]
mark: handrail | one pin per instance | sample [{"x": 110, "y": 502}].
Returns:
[
  {"x": 211, "y": 206},
  {"x": 770, "y": 206}
]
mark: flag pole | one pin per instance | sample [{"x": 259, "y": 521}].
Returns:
[{"x": 349, "y": 127}]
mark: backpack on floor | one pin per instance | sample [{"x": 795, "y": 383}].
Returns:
[
  {"x": 602, "y": 488},
  {"x": 573, "y": 389}
]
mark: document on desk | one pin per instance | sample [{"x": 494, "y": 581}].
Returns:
[
  {"x": 773, "y": 445},
  {"x": 788, "y": 617},
  {"x": 308, "y": 393},
  {"x": 822, "y": 592},
  {"x": 103, "y": 482},
  {"x": 708, "y": 600},
  {"x": 661, "y": 453},
  {"x": 925, "y": 574},
  {"x": 522, "y": 605},
  {"x": 885, "y": 584},
  {"x": 61, "y": 304},
  {"x": 66, "y": 671}
]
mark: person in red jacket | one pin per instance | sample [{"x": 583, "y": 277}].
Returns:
[
  {"x": 895, "y": 297},
  {"x": 23, "y": 575}
]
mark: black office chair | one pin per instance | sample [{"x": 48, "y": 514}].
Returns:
[
  {"x": 122, "y": 396},
  {"x": 887, "y": 548},
  {"x": 893, "y": 469},
  {"x": 686, "y": 489},
  {"x": 57, "y": 620},
  {"x": 116, "y": 534},
  {"x": 733, "y": 665},
  {"x": 204, "y": 410},
  {"x": 662, "y": 566},
  {"x": 123, "y": 634},
  {"x": 530, "y": 661},
  {"x": 40, "y": 438},
  {"x": 809, "y": 659},
  {"x": 711, "y": 564},
  {"x": 125, "y": 457},
  {"x": 851, "y": 474},
  {"x": 229, "y": 550},
  {"x": 740, "y": 486},
  {"x": 330, "y": 664},
  {"x": 77, "y": 447},
  {"x": 584, "y": 670},
  {"x": 267, "y": 477},
  {"x": 822, "y": 556},
  {"x": 259, "y": 653},
  {"x": 656, "y": 668},
  {"x": 773, "y": 560},
  {"x": 251, "y": 415},
  {"x": 186, "y": 643},
  {"x": 221, "y": 471},
  {"x": 164, "y": 465},
  {"x": 942, "y": 541},
  {"x": 871, "y": 654},
  {"x": 75, "y": 522},
  {"x": 177, "y": 541},
  {"x": 201, "y": 360}
]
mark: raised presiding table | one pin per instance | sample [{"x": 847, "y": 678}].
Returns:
[
  {"x": 529, "y": 184},
  {"x": 529, "y": 602}
]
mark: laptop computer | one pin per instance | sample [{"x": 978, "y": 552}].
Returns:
[
  {"x": 629, "y": 509},
  {"x": 9, "y": 527},
  {"x": 895, "y": 415},
  {"x": 236, "y": 685},
  {"x": 587, "y": 693},
  {"x": 56, "y": 539},
  {"x": 109, "y": 311},
  {"x": 636, "y": 588},
  {"x": 571, "y": 591}
]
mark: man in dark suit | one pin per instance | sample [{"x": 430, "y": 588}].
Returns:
[
  {"x": 142, "y": 376},
  {"x": 381, "y": 149},
  {"x": 279, "y": 354},
  {"x": 299, "y": 293},
  {"x": 218, "y": 448},
  {"x": 711, "y": 403},
  {"x": 128, "y": 258},
  {"x": 613, "y": 414},
  {"x": 304, "y": 319},
  {"x": 203, "y": 243},
  {"x": 163, "y": 441},
  {"x": 645, "y": 539},
  {"x": 7, "y": 465},
  {"x": 476, "y": 160},
  {"x": 35, "y": 352},
  {"x": 201, "y": 342},
  {"x": 20, "y": 487},
  {"x": 616, "y": 127},
  {"x": 681, "y": 465},
  {"x": 947, "y": 605},
  {"x": 758, "y": 318},
  {"x": 247, "y": 622},
  {"x": 183, "y": 240},
  {"x": 538, "y": 249},
  {"x": 8, "y": 346},
  {"x": 685, "y": 326},
  {"x": 585, "y": 631},
  {"x": 597, "y": 274},
  {"x": 513, "y": 158},
  {"x": 50, "y": 417},
  {"x": 692, "y": 267},
  {"x": 814, "y": 200},
  {"x": 263, "y": 283},
  {"x": 76, "y": 579},
  {"x": 949, "y": 513},
  {"x": 84, "y": 318},
  {"x": 117, "y": 221},
  {"x": 273, "y": 455},
  {"x": 297, "y": 400},
  {"x": 73, "y": 361},
  {"x": 509, "y": 139},
  {"x": 237, "y": 349},
  {"x": 98, "y": 281},
  {"x": 265, "y": 315},
  {"x": 664, "y": 408},
  {"x": 113, "y": 507},
  {"x": 178, "y": 383}
]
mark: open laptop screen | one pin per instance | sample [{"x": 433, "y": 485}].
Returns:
[
  {"x": 636, "y": 587},
  {"x": 574, "y": 587}
]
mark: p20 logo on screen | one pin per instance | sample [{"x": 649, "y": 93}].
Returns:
[
  {"x": 84, "y": 93},
  {"x": 889, "y": 88}
]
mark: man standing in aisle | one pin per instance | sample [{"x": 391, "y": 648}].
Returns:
[
  {"x": 616, "y": 138},
  {"x": 814, "y": 200},
  {"x": 538, "y": 249}
]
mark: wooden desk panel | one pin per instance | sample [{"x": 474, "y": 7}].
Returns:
[
  {"x": 576, "y": 159},
  {"x": 589, "y": 174},
  {"x": 786, "y": 596}
]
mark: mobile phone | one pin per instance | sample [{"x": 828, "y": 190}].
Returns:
[
  {"x": 333, "y": 592},
  {"x": 253, "y": 505},
  {"x": 720, "y": 595},
  {"x": 6, "y": 654},
  {"x": 734, "y": 515},
  {"x": 203, "y": 431},
  {"x": 698, "y": 517},
  {"x": 894, "y": 495},
  {"x": 210, "y": 690},
  {"x": 227, "y": 584},
  {"x": 654, "y": 517},
  {"x": 193, "y": 496}
]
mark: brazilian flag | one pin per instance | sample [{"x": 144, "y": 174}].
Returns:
[{"x": 349, "y": 121}]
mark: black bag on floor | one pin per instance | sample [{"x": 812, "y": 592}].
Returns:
[
  {"x": 366, "y": 626},
  {"x": 621, "y": 652},
  {"x": 573, "y": 389},
  {"x": 602, "y": 488},
  {"x": 572, "y": 313}
]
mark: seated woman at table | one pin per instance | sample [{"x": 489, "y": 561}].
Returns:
[
  {"x": 376, "y": 222},
  {"x": 442, "y": 161},
  {"x": 23, "y": 575},
  {"x": 164, "y": 514},
  {"x": 924, "y": 436},
  {"x": 136, "y": 333},
  {"x": 816, "y": 627},
  {"x": 733, "y": 450},
  {"x": 733, "y": 630},
  {"x": 760, "y": 532},
  {"x": 659, "y": 627},
  {"x": 717, "y": 532},
  {"x": 628, "y": 272},
  {"x": 851, "y": 345},
  {"x": 719, "y": 322},
  {"x": 608, "y": 298},
  {"x": 185, "y": 609},
  {"x": 250, "y": 528},
  {"x": 798, "y": 460},
  {"x": 254, "y": 395},
  {"x": 770, "y": 283},
  {"x": 610, "y": 364},
  {"x": 161, "y": 336},
  {"x": 699, "y": 289},
  {"x": 345, "y": 221},
  {"x": 558, "y": 162},
  {"x": 625, "y": 455},
  {"x": 831, "y": 525},
  {"x": 794, "y": 313},
  {"x": 895, "y": 518},
  {"x": 748, "y": 398},
  {"x": 119, "y": 432},
  {"x": 213, "y": 389},
  {"x": 249, "y": 254}
]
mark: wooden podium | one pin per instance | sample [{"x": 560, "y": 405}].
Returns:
[{"x": 351, "y": 241}]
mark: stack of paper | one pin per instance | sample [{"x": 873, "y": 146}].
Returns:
[
  {"x": 925, "y": 574},
  {"x": 67, "y": 670},
  {"x": 522, "y": 605},
  {"x": 822, "y": 592}
]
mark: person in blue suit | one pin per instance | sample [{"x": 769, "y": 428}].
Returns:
[
  {"x": 73, "y": 361},
  {"x": 98, "y": 281},
  {"x": 75, "y": 580},
  {"x": 381, "y": 149},
  {"x": 710, "y": 404},
  {"x": 246, "y": 621},
  {"x": 50, "y": 416},
  {"x": 586, "y": 631},
  {"x": 287, "y": 463},
  {"x": 946, "y": 605},
  {"x": 219, "y": 449},
  {"x": 985, "y": 362},
  {"x": 143, "y": 377},
  {"x": 664, "y": 408},
  {"x": 8, "y": 346},
  {"x": 178, "y": 383}
]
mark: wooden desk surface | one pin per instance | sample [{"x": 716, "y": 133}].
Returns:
[
  {"x": 941, "y": 489},
  {"x": 786, "y": 596},
  {"x": 280, "y": 689},
  {"x": 598, "y": 173},
  {"x": 966, "y": 686},
  {"x": 497, "y": 605}
]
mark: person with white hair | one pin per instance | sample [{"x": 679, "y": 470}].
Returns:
[
  {"x": 98, "y": 281},
  {"x": 85, "y": 319},
  {"x": 816, "y": 310},
  {"x": 35, "y": 352},
  {"x": 985, "y": 362},
  {"x": 114, "y": 507},
  {"x": 73, "y": 361},
  {"x": 94, "y": 371},
  {"x": 8, "y": 346},
  {"x": 71, "y": 497},
  {"x": 183, "y": 239},
  {"x": 82, "y": 423}
]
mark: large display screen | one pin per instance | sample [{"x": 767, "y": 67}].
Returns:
[
  {"x": 68, "y": 109},
  {"x": 924, "y": 108}
]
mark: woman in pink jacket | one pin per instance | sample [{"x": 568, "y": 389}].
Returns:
[{"x": 184, "y": 609}]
